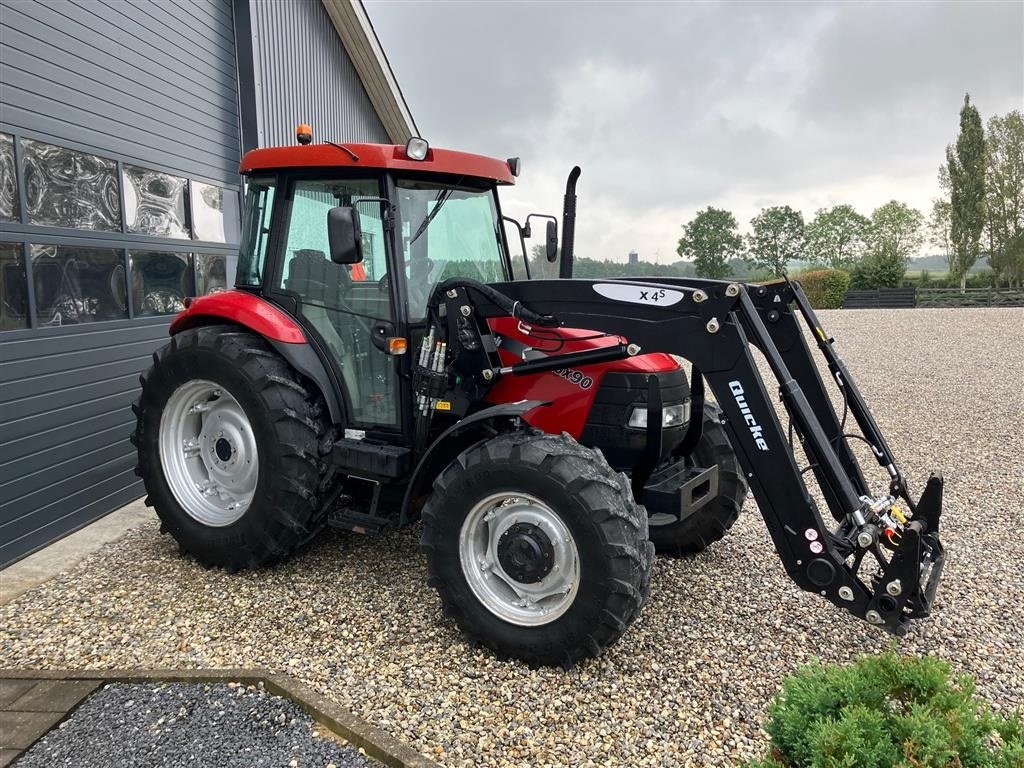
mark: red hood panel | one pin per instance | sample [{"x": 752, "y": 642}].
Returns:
[{"x": 570, "y": 391}]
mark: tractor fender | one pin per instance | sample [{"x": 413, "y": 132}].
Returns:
[
  {"x": 276, "y": 326},
  {"x": 451, "y": 443},
  {"x": 256, "y": 314},
  {"x": 304, "y": 359}
]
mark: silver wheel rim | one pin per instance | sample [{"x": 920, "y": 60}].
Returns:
[
  {"x": 526, "y": 605},
  {"x": 208, "y": 453}
]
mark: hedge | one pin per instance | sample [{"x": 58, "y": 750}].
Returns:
[{"x": 825, "y": 288}]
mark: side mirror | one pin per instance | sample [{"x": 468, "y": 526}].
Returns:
[
  {"x": 344, "y": 235},
  {"x": 551, "y": 249}
]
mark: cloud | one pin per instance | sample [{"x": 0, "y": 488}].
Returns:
[{"x": 669, "y": 108}]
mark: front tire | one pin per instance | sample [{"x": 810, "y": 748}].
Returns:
[
  {"x": 227, "y": 437},
  {"x": 537, "y": 548},
  {"x": 711, "y": 522}
]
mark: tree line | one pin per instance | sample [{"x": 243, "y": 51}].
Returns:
[{"x": 980, "y": 212}]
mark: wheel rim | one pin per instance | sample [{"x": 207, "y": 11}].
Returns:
[
  {"x": 208, "y": 453},
  {"x": 513, "y": 531}
]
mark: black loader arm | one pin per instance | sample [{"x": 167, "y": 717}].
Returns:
[{"x": 877, "y": 560}]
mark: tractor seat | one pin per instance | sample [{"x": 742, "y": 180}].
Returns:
[
  {"x": 321, "y": 283},
  {"x": 318, "y": 279}
]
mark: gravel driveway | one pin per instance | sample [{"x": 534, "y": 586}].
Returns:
[
  {"x": 185, "y": 725},
  {"x": 688, "y": 684}
]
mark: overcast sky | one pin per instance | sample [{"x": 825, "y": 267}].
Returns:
[{"x": 670, "y": 107}]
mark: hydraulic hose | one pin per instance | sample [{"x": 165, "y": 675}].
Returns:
[{"x": 512, "y": 307}]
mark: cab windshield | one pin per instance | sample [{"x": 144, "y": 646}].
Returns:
[{"x": 448, "y": 230}]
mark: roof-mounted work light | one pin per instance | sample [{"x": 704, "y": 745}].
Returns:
[{"x": 416, "y": 148}]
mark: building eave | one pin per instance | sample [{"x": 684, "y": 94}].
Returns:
[{"x": 364, "y": 49}]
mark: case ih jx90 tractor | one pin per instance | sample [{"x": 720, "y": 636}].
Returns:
[{"x": 385, "y": 357}]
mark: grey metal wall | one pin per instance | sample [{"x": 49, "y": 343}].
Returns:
[
  {"x": 160, "y": 84},
  {"x": 304, "y": 75},
  {"x": 152, "y": 82},
  {"x": 65, "y": 418}
]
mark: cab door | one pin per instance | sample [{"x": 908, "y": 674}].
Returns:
[{"x": 346, "y": 307}]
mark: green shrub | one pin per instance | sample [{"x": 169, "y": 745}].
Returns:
[
  {"x": 984, "y": 279},
  {"x": 825, "y": 288},
  {"x": 878, "y": 271},
  {"x": 888, "y": 712}
]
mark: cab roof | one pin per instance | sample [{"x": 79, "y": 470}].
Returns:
[{"x": 376, "y": 156}]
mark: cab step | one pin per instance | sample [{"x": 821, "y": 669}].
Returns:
[
  {"x": 349, "y": 519},
  {"x": 358, "y": 513}
]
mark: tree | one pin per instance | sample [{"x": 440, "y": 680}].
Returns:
[
  {"x": 893, "y": 236},
  {"x": 895, "y": 231},
  {"x": 1004, "y": 147},
  {"x": 710, "y": 239},
  {"x": 836, "y": 237},
  {"x": 938, "y": 229},
  {"x": 778, "y": 237},
  {"x": 966, "y": 165}
]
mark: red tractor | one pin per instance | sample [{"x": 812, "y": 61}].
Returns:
[{"x": 385, "y": 357}]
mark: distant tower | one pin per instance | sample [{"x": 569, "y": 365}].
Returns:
[{"x": 634, "y": 257}]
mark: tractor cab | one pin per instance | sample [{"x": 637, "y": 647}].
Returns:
[{"x": 351, "y": 239}]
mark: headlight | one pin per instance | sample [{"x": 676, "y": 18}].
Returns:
[{"x": 671, "y": 416}]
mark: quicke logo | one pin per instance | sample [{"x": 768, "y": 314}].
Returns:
[{"x": 748, "y": 417}]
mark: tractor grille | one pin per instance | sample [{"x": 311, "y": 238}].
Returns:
[{"x": 618, "y": 394}]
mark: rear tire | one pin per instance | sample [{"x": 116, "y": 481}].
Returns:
[
  {"x": 286, "y": 421},
  {"x": 711, "y": 522},
  {"x": 568, "y": 489}
]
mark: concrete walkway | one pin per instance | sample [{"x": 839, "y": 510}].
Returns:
[
  {"x": 31, "y": 707},
  {"x": 66, "y": 553}
]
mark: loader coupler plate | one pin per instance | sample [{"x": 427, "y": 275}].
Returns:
[{"x": 906, "y": 589}]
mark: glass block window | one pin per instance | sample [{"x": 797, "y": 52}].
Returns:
[
  {"x": 160, "y": 282},
  {"x": 13, "y": 288},
  {"x": 78, "y": 285},
  {"x": 10, "y": 208},
  {"x": 65, "y": 188},
  {"x": 214, "y": 213},
  {"x": 211, "y": 273},
  {"x": 154, "y": 202}
]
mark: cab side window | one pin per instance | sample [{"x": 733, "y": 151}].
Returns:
[{"x": 252, "y": 253}]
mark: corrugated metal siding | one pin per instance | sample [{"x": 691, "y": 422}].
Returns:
[
  {"x": 155, "y": 83},
  {"x": 65, "y": 420},
  {"x": 304, "y": 75}
]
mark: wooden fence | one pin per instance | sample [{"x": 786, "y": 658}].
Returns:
[
  {"x": 880, "y": 297},
  {"x": 905, "y": 298},
  {"x": 972, "y": 297}
]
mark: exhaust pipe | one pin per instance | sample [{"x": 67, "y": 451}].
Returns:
[{"x": 568, "y": 224}]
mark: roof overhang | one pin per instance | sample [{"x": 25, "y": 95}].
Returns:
[{"x": 364, "y": 49}]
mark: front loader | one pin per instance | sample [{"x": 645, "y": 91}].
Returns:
[{"x": 386, "y": 358}]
